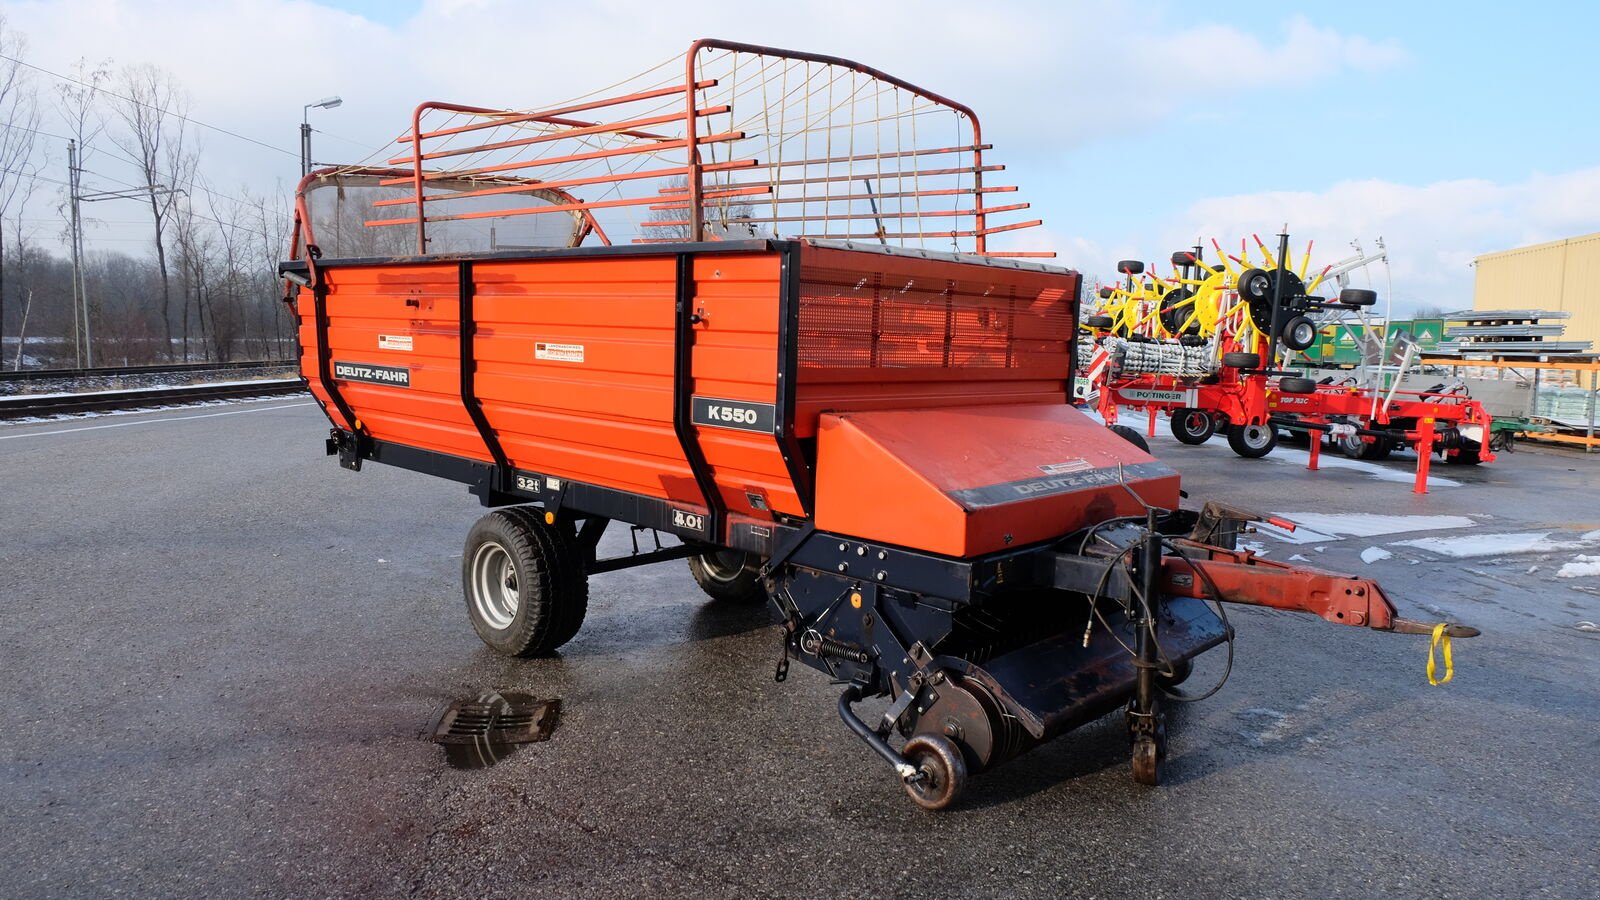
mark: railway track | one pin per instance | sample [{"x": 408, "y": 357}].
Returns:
[
  {"x": 38, "y": 405},
  {"x": 32, "y": 375}
]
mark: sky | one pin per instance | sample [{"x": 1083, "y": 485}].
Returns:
[{"x": 1448, "y": 130}]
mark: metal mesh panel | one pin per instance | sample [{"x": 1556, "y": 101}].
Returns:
[{"x": 852, "y": 319}]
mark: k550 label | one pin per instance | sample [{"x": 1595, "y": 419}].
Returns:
[{"x": 741, "y": 415}]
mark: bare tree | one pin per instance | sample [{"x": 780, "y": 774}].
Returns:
[
  {"x": 19, "y": 123},
  {"x": 152, "y": 109},
  {"x": 272, "y": 224},
  {"x": 724, "y": 218}
]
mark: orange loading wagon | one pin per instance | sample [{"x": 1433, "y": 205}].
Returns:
[{"x": 775, "y": 369}]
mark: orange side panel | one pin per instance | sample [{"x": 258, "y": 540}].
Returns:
[
  {"x": 736, "y": 358},
  {"x": 973, "y": 480},
  {"x": 887, "y": 332},
  {"x": 575, "y": 370},
  {"x": 372, "y": 311},
  {"x": 574, "y": 366}
]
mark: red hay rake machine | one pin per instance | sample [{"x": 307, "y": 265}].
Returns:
[
  {"x": 751, "y": 300},
  {"x": 1212, "y": 347}
]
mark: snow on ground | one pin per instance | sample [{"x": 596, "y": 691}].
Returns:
[
  {"x": 1373, "y": 554},
  {"x": 83, "y": 395},
  {"x": 1476, "y": 545},
  {"x": 1283, "y": 454},
  {"x": 153, "y": 407},
  {"x": 1320, "y": 528},
  {"x": 1581, "y": 567}
]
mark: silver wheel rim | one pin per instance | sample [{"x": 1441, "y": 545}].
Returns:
[
  {"x": 494, "y": 585},
  {"x": 1195, "y": 424},
  {"x": 1255, "y": 436},
  {"x": 723, "y": 565}
]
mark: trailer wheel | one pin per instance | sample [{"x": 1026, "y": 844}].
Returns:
[
  {"x": 1252, "y": 441},
  {"x": 520, "y": 593},
  {"x": 729, "y": 576},
  {"x": 1241, "y": 360},
  {"x": 1297, "y": 386},
  {"x": 1466, "y": 457},
  {"x": 941, "y": 772},
  {"x": 1358, "y": 297},
  {"x": 567, "y": 567},
  {"x": 1192, "y": 426},
  {"x": 1131, "y": 436},
  {"x": 1098, "y": 322}
]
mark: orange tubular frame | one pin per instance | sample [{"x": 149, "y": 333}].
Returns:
[{"x": 599, "y": 142}]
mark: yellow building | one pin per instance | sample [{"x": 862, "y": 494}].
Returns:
[{"x": 1560, "y": 275}]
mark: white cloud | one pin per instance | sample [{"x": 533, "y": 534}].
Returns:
[
  {"x": 1044, "y": 76},
  {"x": 1034, "y": 71}
]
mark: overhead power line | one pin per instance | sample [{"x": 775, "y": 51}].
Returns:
[{"x": 124, "y": 97}]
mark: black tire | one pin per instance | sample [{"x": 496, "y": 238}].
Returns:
[
  {"x": 1241, "y": 360},
  {"x": 1255, "y": 285},
  {"x": 1297, "y": 386},
  {"x": 1097, "y": 322},
  {"x": 1299, "y": 333},
  {"x": 1131, "y": 436},
  {"x": 523, "y": 593},
  {"x": 1465, "y": 457},
  {"x": 729, "y": 576},
  {"x": 1184, "y": 258},
  {"x": 1358, "y": 297},
  {"x": 1252, "y": 441},
  {"x": 1172, "y": 316},
  {"x": 1105, "y": 293},
  {"x": 1192, "y": 426},
  {"x": 1130, "y": 267},
  {"x": 570, "y": 569}
]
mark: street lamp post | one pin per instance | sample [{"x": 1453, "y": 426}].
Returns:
[{"x": 305, "y": 130}]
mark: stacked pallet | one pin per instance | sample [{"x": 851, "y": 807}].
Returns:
[{"x": 1507, "y": 333}]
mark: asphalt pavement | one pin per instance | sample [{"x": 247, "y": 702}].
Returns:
[{"x": 220, "y": 651}]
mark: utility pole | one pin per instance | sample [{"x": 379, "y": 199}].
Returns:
[
  {"x": 80, "y": 292},
  {"x": 80, "y": 287}
]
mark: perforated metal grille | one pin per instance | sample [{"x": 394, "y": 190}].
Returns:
[{"x": 853, "y": 320}]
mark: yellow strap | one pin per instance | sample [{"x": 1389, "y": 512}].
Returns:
[{"x": 1441, "y": 641}]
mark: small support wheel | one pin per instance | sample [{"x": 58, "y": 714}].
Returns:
[
  {"x": 1146, "y": 762},
  {"x": 941, "y": 772}
]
